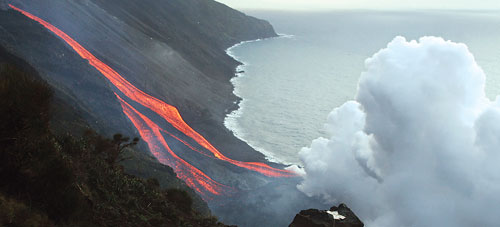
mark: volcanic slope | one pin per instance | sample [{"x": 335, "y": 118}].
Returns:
[{"x": 173, "y": 50}]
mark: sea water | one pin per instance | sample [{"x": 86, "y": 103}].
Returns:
[{"x": 290, "y": 84}]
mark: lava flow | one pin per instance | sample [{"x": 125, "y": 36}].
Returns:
[
  {"x": 150, "y": 132},
  {"x": 166, "y": 111}
]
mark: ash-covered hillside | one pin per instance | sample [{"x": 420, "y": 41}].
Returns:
[
  {"x": 53, "y": 177},
  {"x": 173, "y": 50}
]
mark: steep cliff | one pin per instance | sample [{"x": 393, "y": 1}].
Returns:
[
  {"x": 173, "y": 50},
  {"x": 67, "y": 120},
  {"x": 53, "y": 178}
]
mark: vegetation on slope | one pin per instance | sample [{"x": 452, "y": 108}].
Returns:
[{"x": 58, "y": 179}]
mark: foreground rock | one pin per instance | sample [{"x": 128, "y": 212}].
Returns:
[{"x": 340, "y": 216}]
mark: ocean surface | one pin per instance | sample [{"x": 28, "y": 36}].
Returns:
[{"x": 291, "y": 83}]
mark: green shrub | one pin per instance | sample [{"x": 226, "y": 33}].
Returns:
[
  {"x": 15, "y": 213},
  {"x": 181, "y": 199}
]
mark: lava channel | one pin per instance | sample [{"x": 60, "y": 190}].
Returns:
[{"x": 193, "y": 177}]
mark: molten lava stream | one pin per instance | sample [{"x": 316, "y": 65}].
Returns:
[
  {"x": 166, "y": 111},
  {"x": 255, "y": 165},
  {"x": 193, "y": 177}
]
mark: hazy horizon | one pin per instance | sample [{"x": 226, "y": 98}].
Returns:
[{"x": 326, "y": 5}]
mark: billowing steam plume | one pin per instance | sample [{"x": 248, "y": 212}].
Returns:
[{"x": 420, "y": 146}]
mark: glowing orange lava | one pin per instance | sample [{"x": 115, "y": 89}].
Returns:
[
  {"x": 166, "y": 111},
  {"x": 150, "y": 132}
]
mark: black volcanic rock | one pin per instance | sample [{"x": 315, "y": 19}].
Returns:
[
  {"x": 323, "y": 218},
  {"x": 351, "y": 220},
  {"x": 312, "y": 218}
]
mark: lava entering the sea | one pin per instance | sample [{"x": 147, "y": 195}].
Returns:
[{"x": 191, "y": 175}]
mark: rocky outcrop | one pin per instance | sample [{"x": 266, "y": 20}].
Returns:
[{"x": 340, "y": 216}]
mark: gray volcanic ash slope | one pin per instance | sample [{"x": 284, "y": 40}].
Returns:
[{"x": 173, "y": 50}]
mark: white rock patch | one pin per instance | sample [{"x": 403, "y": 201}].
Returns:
[{"x": 336, "y": 215}]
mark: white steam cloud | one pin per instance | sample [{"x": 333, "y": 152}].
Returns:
[{"x": 420, "y": 146}]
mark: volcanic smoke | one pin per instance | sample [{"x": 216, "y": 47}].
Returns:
[
  {"x": 151, "y": 132},
  {"x": 419, "y": 146}
]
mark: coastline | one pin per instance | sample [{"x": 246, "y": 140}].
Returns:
[{"x": 231, "y": 119}]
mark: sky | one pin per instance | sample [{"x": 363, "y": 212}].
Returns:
[{"x": 361, "y": 4}]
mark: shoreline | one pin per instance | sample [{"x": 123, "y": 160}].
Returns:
[{"x": 231, "y": 118}]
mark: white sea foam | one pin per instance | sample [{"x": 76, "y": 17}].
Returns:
[{"x": 231, "y": 120}]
